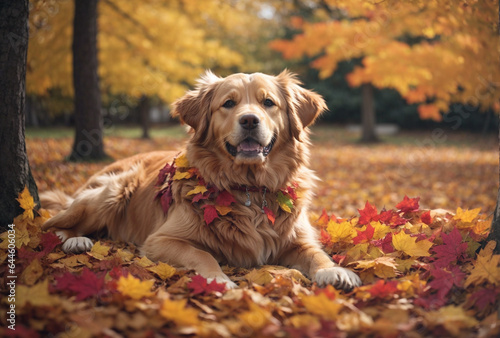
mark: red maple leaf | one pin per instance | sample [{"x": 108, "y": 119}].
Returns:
[
  {"x": 199, "y": 285},
  {"x": 325, "y": 237},
  {"x": 443, "y": 281},
  {"x": 364, "y": 236},
  {"x": 270, "y": 214},
  {"x": 339, "y": 258},
  {"x": 426, "y": 217},
  {"x": 225, "y": 198},
  {"x": 209, "y": 213},
  {"x": 322, "y": 221},
  {"x": 49, "y": 241},
  {"x": 367, "y": 214},
  {"x": 164, "y": 172},
  {"x": 383, "y": 289},
  {"x": 198, "y": 197},
  {"x": 408, "y": 204},
  {"x": 390, "y": 218},
  {"x": 291, "y": 192},
  {"x": 483, "y": 297},
  {"x": 385, "y": 243},
  {"x": 451, "y": 251},
  {"x": 87, "y": 285},
  {"x": 166, "y": 199}
]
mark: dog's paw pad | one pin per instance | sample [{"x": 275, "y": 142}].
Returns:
[
  {"x": 224, "y": 280},
  {"x": 339, "y": 277},
  {"x": 77, "y": 245}
]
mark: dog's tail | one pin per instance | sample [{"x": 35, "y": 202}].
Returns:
[{"x": 55, "y": 200}]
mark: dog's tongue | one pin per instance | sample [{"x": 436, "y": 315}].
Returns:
[{"x": 249, "y": 145}]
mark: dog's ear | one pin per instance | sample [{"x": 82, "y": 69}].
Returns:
[
  {"x": 304, "y": 105},
  {"x": 194, "y": 108}
]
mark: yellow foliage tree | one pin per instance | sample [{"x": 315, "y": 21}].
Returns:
[
  {"x": 433, "y": 52},
  {"x": 151, "y": 48}
]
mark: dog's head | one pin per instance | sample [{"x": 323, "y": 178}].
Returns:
[{"x": 248, "y": 118}]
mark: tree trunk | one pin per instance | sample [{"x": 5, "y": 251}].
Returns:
[
  {"x": 15, "y": 171},
  {"x": 144, "y": 107},
  {"x": 495, "y": 224},
  {"x": 368, "y": 115},
  {"x": 88, "y": 145}
]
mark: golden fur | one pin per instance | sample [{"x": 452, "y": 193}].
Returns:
[{"x": 235, "y": 121}]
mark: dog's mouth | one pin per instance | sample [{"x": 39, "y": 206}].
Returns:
[{"x": 249, "y": 147}]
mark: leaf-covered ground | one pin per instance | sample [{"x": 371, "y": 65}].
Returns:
[{"x": 424, "y": 272}]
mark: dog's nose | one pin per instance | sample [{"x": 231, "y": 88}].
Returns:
[{"x": 249, "y": 121}]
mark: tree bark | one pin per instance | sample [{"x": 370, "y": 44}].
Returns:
[
  {"x": 494, "y": 234},
  {"x": 15, "y": 172},
  {"x": 368, "y": 115},
  {"x": 143, "y": 107},
  {"x": 88, "y": 145}
]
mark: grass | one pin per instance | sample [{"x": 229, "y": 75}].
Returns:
[
  {"x": 169, "y": 131},
  {"x": 324, "y": 134}
]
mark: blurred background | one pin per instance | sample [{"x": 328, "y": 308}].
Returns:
[{"x": 417, "y": 82}]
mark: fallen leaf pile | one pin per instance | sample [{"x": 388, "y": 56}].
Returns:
[{"x": 425, "y": 272}]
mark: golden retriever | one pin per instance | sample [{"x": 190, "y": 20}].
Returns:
[{"x": 238, "y": 194}]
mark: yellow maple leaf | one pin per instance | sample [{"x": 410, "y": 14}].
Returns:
[
  {"x": 163, "y": 270},
  {"x": 410, "y": 246},
  {"x": 322, "y": 306},
  {"x": 22, "y": 236},
  {"x": 486, "y": 268},
  {"x": 341, "y": 232},
  {"x": 466, "y": 216},
  {"x": 379, "y": 230},
  {"x": 358, "y": 251},
  {"x": 176, "y": 311},
  {"x": 182, "y": 161},
  {"x": 99, "y": 251},
  {"x": 37, "y": 295},
  {"x": 32, "y": 273},
  {"x": 259, "y": 276},
  {"x": 179, "y": 175},
  {"x": 134, "y": 287},
  {"x": 223, "y": 210},
  {"x": 125, "y": 255},
  {"x": 256, "y": 317},
  {"x": 144, "y": 262},
  {"x": 199, "y": 189},
  {"x": 383, "y": 267},
  {"x": 404, "y": 265},
  {"x": 27, "y": 203},
  {"x": 76, "y": 260},
  {"x": 482, "y": 227}
]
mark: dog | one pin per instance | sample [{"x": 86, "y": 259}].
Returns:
[{"x": 238, "y": 194}]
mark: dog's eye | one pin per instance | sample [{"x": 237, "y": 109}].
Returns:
[
  {"x": 229, "y": 104},
  {"x": 268, "y": 103}
]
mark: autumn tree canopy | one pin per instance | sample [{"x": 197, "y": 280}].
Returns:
[
  {"x": 155, "y": 49},
  {"x": 432, "y": 52}
]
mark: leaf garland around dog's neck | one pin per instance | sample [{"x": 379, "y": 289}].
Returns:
[{"x": 221, "y": 200}]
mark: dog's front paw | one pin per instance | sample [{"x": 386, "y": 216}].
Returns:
[
  {"x": 223, "y": 280},
  {"x": 77, "y": 245},
  {"x": 337, "y": 276}
]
